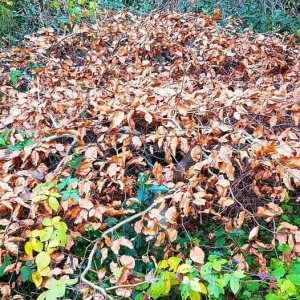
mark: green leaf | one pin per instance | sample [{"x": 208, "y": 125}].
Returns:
[
  {"x": 157, "y": 289},
  {"x": 216, "y": 265},
  {"x": 185, "y": 268},
  {"x": 279, "y": 272},
  {"x": 75, "y": 196},
  {"x": 238, "y": 274},
  {"x": 294, "y": 278},
  {"x": 60, "y": 237},
  {"x": 47, "y": 222},
  {"x": 272, "y": 297},
  {"x": 61, "y": 226},
  {"x": 25, "y": 273},
  {"x": 53, "y": 203},
  {"x": 234, "y": 284},
  {"x": 173, "y": 263},
  {"x": 158, "y": 189},
  {"x": 42, "y": 296},
  {"x": 46, "y": 233},
  {"x": 65, "y": 196},
  {"x": 295, "y": 269},
  {"x": 42, "y": 260}
]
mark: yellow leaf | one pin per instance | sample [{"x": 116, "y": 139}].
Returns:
[
  {"x": 50, "y": 250},
  {"x": 53, "y": 203},
  {"x": 37, "y": 279},
  {"x": 194, "y": 295},
  {"x": 184, "y": 268},
  {"x": 203, "y": 288},
  {"x": 42, "y": 260},
  {"x": 45, "y": 271},
  {"x": 28, "y": 249},
  {"x": 163, "y": 264},
  {"x": 36, "y": 244}
]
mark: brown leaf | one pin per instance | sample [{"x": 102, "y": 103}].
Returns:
[
  {"x": 197, "y": 255},
  {"x": 172, "y": 234},
  {"x": 253, "y": 233},
  {"x": 127, "y": 261},
  {"x": 117, "y": 119}
]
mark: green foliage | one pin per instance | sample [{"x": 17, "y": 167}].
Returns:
[
  {"x": 19, "y": 141},
  {"x": 6, "y": 262},
  {"x": 44, "y": 241},
  {"x": 146, "y": 191},
  {"x": 51, "y": 192},
  {"x": 212, "y": 280},
  {"x": 75, "y": 162},
  {"x": 287, "y": 280},
  {"x": 56, "y": 288}
]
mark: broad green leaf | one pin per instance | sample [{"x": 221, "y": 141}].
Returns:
[
  {"x": 295, "y": 269},
  {"x": 225, "y": 279},
  {"x": 55, "y": 220},
  {"x": 53, "y": 203},
  {"x": 65, "y": 196},
  {"x": 25, "y": 273},
  {"x": 51, "y": 283},
  {"x": 56, "y": 293},
  {"x": 37, "y": 279},
  {"x": 184, "y": 268},
  {"x": 272, "y": 297},
  {"x": 234, "y": 284},
  {"x": 42, "y": 260},
  {"x": 157, "y": 289},
  {"x": 216, "y": 265},
  {"x": 238, "y": 274},
  {"x": 75, "y": 196},
  {"x": 42, "y": 296},
  {"x": 47, "y": 222},
  {"x": 294, "y": 278},
  {"x": 61, "y": 226},
  {"x": 288, "y": 287},
  {"x": 46, "y": 233},
  {"x": 60, "y": 237},
  {"x": 39, "y": 198},
  {"x": 279, "y": 272},
  {"x": 68, "y": 281}
]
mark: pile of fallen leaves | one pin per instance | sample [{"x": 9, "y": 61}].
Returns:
[{"x": 131, "y": 95}]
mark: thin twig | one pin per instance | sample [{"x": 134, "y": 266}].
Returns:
[{"x": 105, "y": 233}]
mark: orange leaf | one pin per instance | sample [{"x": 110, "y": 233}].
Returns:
[{"x": 292, "y": 162}]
